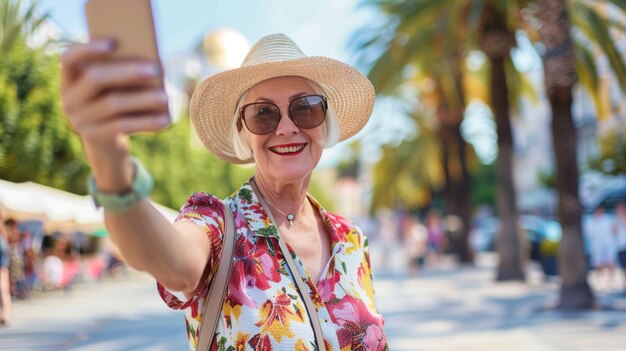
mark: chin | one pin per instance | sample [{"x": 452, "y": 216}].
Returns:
[{"x": 295, "y": 173}]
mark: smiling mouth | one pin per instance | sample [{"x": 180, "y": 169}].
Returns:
[{"x": 288, "y": 149}]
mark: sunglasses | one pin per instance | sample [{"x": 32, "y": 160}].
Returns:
[{"x": 262, "y": 118}]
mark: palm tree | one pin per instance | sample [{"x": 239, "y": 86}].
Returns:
[
  {"x": 399, "y": 45},
  {"x": 560, "y": 77},
  {"x": 406, "y": 36},
  {"x": 17, "y": 22},
  {"x": 563, "y": 61},
  {"x": 496, "y": 39}
]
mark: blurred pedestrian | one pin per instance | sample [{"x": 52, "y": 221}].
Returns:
[
  {"x": 415, "y": 244},
  {"x": 436, "y": 236},
  {"x": 51, "y": 270},
  {"x": 31, "y": 275},
  {"x": 387, "y": 236},
  {"x": 601, "y": 232},
  {"x": 17, "y": 263},
  {"x": 5, "y": 285},
  {"x": 71, "y": 261},
  {"x": 620, "y": 230}
]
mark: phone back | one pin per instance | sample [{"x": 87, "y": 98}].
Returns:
[{"x": 129, "y": 22}]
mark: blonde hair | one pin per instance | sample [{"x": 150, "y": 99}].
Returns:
[{"x": 241, "y": 147}]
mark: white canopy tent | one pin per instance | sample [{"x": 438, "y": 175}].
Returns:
[{"x": 57, "y": 209}]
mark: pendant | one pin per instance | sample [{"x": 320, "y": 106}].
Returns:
[{"x": 290, "y": 218}]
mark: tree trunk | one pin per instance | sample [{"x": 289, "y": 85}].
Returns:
[
  {"x": 560, "y": 77},
  {"x": 508, "y": 241},
  {"x": 457, "y": 188},
  {"x": 457, "y": 192},
  {"x": 497, "y": 41}
]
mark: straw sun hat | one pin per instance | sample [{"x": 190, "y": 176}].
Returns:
[{"x": 213, "y": 103}]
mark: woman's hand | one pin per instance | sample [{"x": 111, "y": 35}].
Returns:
[{"x": 106, "y": 100}]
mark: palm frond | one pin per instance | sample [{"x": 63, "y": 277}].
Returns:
[
  {"x": 588, "y": 78},
  {"x": 594, "y": 28}
]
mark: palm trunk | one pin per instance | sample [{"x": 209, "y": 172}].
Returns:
[
  {"x": 496, "y": 42},
  {"x": 457, "y": 192},
  {"x": 508, "y": 243},
  {"x": 457, "y": 188},
  {"x": 560, "y": 77}
]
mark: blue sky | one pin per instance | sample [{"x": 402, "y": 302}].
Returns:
[{"x": 320, "y": 27}]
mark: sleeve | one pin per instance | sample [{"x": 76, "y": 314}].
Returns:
[{"x": 207, "y": 212}]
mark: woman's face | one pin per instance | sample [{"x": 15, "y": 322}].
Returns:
[{"x": 289, "y": 153}]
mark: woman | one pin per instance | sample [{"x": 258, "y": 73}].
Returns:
[{"x": 278, "y": 110}]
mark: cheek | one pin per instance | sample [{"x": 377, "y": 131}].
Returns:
[
  {"x": 317, "y": 142},
  {"x": 255, "y": 142}
]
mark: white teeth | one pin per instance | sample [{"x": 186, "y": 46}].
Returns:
[{"x": 287, "y": 149}]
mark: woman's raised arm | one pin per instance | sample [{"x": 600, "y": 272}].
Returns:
[{"x": 105, "y": 101}]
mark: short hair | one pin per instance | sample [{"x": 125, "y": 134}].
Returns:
[{"x": 243, "y": 151}]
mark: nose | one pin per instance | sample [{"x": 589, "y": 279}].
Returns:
[{"x": 286, "y": 125}]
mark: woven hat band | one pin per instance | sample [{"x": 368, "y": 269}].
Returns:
[{"x": 273, "y": 48}]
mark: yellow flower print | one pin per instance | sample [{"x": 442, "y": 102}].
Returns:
[
  {"x": 275, "y": 317},
  {"x": 353, "y": 240},
  {"x": 242, "y": 339},
  {"x": 300, "y": 346},
  {"x": 234, "y": 311},
  {"x": 365, "y": 281}
]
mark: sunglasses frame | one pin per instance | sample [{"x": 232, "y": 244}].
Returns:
[{"x": 242, "y": 108}]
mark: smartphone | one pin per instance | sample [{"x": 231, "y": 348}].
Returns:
[{"x": 129, "y": 23}]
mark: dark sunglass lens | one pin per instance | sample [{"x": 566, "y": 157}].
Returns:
[
  {"x": 308, "y": 111},
  {"x": 261, "y": 118}
]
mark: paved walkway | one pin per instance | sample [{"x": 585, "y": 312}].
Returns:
[
  {"x": 463, "y": 308},
  {"x": 449, "y": 308}
]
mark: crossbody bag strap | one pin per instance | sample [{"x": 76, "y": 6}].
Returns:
[
  {"x": 302, "y": 289},
  {"x": 308, "y": 303},
  {"x": 217, "y": 289}
]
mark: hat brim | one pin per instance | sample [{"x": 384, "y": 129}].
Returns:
[{"x": 214, "y": 101}]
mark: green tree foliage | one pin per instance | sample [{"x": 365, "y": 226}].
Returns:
[
  {"x": 36, "y": 142},
  {"x": 17, "y": 22},
  {"x": 180, "y": 170}
]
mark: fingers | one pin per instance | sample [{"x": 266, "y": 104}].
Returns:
[
  {"x": 115, "y": 104},
  {"x": 106, "y": 99},
  {"x": 105, "y": 77},
  {"x": 111, "y": 75},
  {"x": 110, "y": 129},
  {"x": 73, "y": 59}
]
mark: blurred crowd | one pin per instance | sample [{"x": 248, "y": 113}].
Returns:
[
  {"x": 31, "y": 264},
  {"x": 423, "y": 240}
]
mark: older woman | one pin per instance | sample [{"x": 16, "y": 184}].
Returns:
[{"x": 278, "y": 110}]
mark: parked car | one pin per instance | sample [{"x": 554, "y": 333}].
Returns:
[
  {"x": 544, "y": 236},
  {"x": 608, "y": 198}
]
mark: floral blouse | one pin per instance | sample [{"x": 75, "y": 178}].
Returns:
[{"x": 262, "y": 309}]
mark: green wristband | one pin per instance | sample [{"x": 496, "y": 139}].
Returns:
[{"x": 141, "y": 187}]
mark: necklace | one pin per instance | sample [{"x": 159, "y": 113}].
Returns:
[{"x": 291, "y": 216}]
